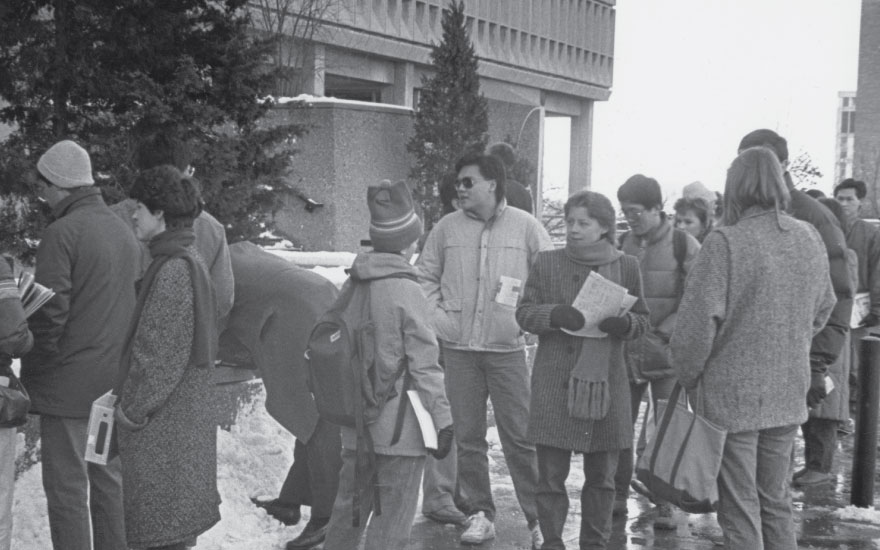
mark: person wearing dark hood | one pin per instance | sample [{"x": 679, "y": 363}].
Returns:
[
  {"x": 828, "y": 345},
  {"x": 517, "y": 194},
  {"x": 399, "y": 313}
]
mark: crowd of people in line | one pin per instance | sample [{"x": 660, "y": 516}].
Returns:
[{"x": 742, "y": 298}]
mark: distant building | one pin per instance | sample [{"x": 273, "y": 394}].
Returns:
[
  {"x": 846, "y": 136},
  {"x": 866, "y": 161},
  {"x": 537, "y": 58}
]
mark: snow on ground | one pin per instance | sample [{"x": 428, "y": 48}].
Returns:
[
  {"x": 862, "y": 515},
  {"x": 252, "y": 459}
]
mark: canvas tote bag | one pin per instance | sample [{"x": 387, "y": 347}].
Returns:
[{"x": 682, "y": 458}]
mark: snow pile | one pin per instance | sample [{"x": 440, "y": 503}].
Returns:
[
  {"x": 861, "y": 515},
  {"x": 252, "y": 459}
]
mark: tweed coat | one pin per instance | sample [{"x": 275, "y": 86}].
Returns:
[
  {"x": 756, "y": 295},
  {"x": 556, "y": 279},
  {"x": 168, "y": 446}
]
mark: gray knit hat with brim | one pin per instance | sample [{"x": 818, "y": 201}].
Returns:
[
  {"x": 393, "y": 221},
  {"x": 67, "y": 165}
]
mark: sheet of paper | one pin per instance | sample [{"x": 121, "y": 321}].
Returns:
[
  {"x": 598, "y": 299},
  {"x": 509, "y": 289},
  {"x": 861, "y": 307},
  {"x": 426, "y": 423}
]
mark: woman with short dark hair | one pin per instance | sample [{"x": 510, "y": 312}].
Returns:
[
  {"x": 166, "y": 427},
  {"x": 580, "y": 389}
]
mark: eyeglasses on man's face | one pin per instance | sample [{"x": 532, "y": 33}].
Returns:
[{"x": 467, "y": 182}]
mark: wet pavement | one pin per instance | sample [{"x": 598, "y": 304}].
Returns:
[{"x": 817, "y": 514}]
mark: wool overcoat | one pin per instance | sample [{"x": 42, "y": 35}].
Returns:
[
  {"x": 556, "y": 279},
  {"x": 169, "y": 466}
]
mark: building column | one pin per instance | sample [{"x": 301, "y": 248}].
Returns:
[
  {"x": 313, "y": 70},
  {"x": 581, "y": 162},
  {"x": 404, "y": 81}
]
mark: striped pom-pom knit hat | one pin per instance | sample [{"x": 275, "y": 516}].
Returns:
[{"x": 393, "y": 222}]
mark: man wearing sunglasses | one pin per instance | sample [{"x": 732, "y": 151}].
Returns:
[{"x": 473, "y": 267}]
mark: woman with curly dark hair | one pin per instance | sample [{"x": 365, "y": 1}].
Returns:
[{"x": 167, "y": 432}]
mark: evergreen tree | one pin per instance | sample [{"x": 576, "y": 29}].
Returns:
[
  {"x": 92, "y": 71},
  {"x": 452, "y": 118}
]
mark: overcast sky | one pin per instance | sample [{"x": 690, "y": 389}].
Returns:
[{"x": 691, "y": 77}]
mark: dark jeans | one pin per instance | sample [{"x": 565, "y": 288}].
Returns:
[
  {"x": 85, "y": 499},
  {"x": 820, "y": 441},
  {"x": 660, "y": 389},
  {"x": 597, "y": 497},
  {"x": 313, "y": 478}
]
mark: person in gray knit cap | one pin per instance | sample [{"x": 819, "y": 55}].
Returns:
[
  {"x": 399, "y": 313},
  {"x": 90, "y": 259}
]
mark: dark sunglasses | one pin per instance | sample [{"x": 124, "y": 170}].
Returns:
[{"x": 467, "y": 182}]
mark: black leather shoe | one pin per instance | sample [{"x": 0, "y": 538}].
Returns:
[
  {"x": 288, "y": 515},
  {"x": 310, "y": 537}
]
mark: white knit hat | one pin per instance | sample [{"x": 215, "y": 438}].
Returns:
[{"x": 66, "y": 164}]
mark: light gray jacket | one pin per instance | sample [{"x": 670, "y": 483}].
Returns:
[
  {"x": 461, "y": 267},
  {"x": 757, "y": 293}
]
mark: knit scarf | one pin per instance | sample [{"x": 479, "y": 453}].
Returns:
[
  {"x": 163, "y": 247},
  {"x": 588, "y": 395}
]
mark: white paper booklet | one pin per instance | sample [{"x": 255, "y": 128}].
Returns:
[
  {"x": 860, "y": 309},
  {"x": 599, "y": 299},
  {"x": 426, "y": 423}
]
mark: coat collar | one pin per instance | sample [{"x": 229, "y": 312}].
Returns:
[{"x": 81, "y": 197}]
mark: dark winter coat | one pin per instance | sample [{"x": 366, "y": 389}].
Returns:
[
  {"x": 556, "y": 279},
  {"x": 757, "y": 293},
  {"x": 168, "y": 436},
  {"x": 864, "y": 238},
  {"x": 276, "y": 307},
  {"x": 828, "y": 343},
  {"x": 90, "y": 259}
]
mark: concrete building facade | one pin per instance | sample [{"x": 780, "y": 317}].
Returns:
[
  {"x": 844, "y": 145},
  {"x": 537, "y": 58},
  {"x": 866, "y": 162}
]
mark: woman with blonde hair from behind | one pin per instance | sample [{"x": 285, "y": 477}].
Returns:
[{"x": 757, "y": 293}]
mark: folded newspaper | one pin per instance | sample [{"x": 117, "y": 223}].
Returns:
[
  {"x": 33, "y": 294},
  {"x": 599, "y": 299}
]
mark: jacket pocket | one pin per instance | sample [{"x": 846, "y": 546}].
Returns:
[
  {"x": 447, "y": 321},
  {"x": 501, "y": 328}
]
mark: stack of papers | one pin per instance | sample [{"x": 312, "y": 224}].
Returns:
[
  {"x": 33, "y": 294},
  {"x": 599, "y": 299}
]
